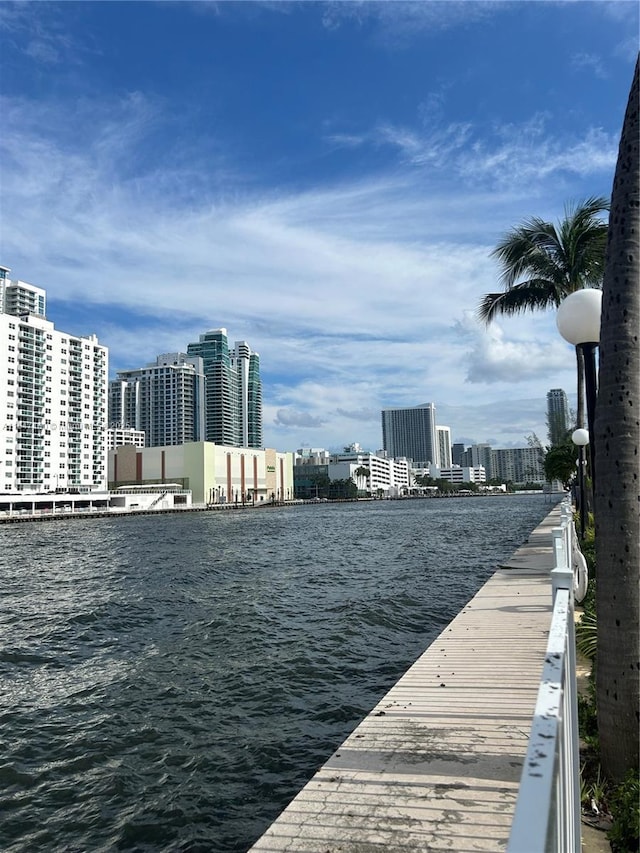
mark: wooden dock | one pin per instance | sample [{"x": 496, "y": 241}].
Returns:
[{"x": 436, "y": 764}]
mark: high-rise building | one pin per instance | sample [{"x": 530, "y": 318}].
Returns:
[
  {"x": 411, "y": 433},
  {"x": 18, "y": 297},
  {"x": 557, "y": 416},
  {"x": 444, "y": 446},
  {"x": 480, "y": 454},
  {"x": 457, "y": 453},
  {"x": 518, "y": 464},
  {"x": 53, "y": 399},
  {"x": 165, "y": 399},
  {"x": 233, "y": 414}
]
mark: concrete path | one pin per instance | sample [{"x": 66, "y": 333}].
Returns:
[{"x": 436, "y": 764}]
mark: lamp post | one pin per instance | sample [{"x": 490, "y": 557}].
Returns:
[
  {"x": 580, "y": 437},
  {"x": 578, "y": 321}
]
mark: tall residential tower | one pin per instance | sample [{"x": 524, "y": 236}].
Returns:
[
  {"x": 411, "y": 432},
  {"x": 53, "y": 399},
  {"x": 233, "y": 414},
  {"x": 557, "y": 416},
  {"x": 165, "y": 399}
]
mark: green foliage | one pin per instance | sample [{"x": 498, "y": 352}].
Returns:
[
  {"x": 594, "y": 789},
  {"x": 560, "y": 463},
  {"x": 424, "y": 480},
  {"x": 588, "y": 718},
  {"x": 342, "y": 490},
  {"x": 541, "y": 264},
  {"x": 624, "y": 804},
  {"x": 587, "y": 635},
  {"x": 588, "y": 548}
]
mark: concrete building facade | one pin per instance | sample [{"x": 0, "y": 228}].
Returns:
[
  {"x": 215, "y": 474},
  {"x": 410, "y": 433},
  {"x": 518, "y": 465},
  {"x": 165, "y": 400},
  {"x": 53, "y": 399},
  {"x": 386, "y": 475},
  {"x": 119, "y": 436},
  {"x": 459, "y": 474},
  {"x": 444, "y": 446}
]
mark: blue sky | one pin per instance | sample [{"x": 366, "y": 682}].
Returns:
[{"x": 324, "y": 180}]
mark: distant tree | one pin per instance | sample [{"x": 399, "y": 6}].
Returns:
[
  {"x": 362, "y": 473},
  {"x": 319, "y": 486},
  {"x": 425, "y": 480},
  {"x": 342, "y": 489},
  {"x": 560, "y": 463}
]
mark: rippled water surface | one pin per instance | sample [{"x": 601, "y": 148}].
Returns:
[{"x": 170, "y": 682}]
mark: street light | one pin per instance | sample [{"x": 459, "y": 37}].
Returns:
[
  {"x": 580, "y": 437},
  {"x": 578, "y": 321}
]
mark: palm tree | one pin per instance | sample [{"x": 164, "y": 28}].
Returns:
[
  {"x": 616, "y": 492},
  {"x": 542, "y": 264},
  {"x": 360, "y": 472}
]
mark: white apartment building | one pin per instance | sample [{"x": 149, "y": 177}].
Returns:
[
  {"x": 165, "y": 400},
  {"x": 459, "y": 474},
  {"x": 386, "y": 475},
  {"x": 443, "y": 435},
  {"x": 122, "y": 436},
  {"x": 53, "y": 399},
  {"x": 518, "y": 464}
]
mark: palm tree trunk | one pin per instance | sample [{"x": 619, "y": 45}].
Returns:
[{"x": 617, "y": 435}]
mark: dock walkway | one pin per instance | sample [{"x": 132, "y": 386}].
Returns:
[{"x": 436, "y": 764}]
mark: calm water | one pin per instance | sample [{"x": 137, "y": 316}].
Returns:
[{"x": 169, "y": 683}]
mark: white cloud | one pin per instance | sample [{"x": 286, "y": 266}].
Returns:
[
  {"x": 357, "y": 296},
  {"x": 293, "y": 418},
  {"x": 492, "y": 358},
  {"x": 398, "y": 22}
]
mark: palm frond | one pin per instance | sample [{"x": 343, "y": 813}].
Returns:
[
  {"x": 528, "y": 296},
  {"x": 540, "y": 264}
]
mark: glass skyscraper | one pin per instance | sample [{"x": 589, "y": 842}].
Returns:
[{"x": 233, "y": 409}]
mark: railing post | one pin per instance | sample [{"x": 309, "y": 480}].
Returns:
[
  {"x": 547, "y": 813},
  {"x": 568, "y": 816}
]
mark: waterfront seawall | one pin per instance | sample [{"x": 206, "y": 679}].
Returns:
[{"x": 436, "y": 764}]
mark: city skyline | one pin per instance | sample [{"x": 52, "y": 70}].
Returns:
[{"x": 327, "y": 180}]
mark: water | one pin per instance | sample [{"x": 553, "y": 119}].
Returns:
[{"x": 170, "y": 682}]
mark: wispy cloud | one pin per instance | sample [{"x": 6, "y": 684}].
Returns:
[
  {"x": 352, "y": 290},
  {"x": 589, "y": 62},
  {"x": 400, "y": 21},
  {"x": 506, "y": 156},
  {"x": 43, "y": 36}
]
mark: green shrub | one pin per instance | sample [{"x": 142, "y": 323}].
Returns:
[
  {"x": 624, "y": 804},
  {"x": 587, "y": 634}
]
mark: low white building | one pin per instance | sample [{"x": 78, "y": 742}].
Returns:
[
  {"x": 459, "y": 474},
  {"x": 121, "y": 436},
  {"x": 214, "y": 473},
  {"x": 387, "y": 476}
]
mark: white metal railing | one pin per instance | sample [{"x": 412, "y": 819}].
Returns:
[{"x": 547, "y": 814}]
